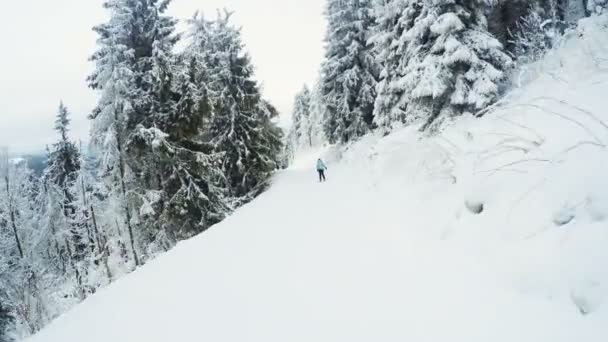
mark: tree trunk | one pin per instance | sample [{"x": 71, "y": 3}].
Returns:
[
  {"x": 12, "y": 217},
  {"x": 123, "y": 187},
  {"x": 103, "y": 248}
]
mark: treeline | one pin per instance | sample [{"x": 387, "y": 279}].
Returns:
[
  {"x": 179, "y": 139},
  {"x": 402, "y": 62}
]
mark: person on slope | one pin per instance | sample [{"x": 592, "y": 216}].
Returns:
[{"x": 321, "y": 170}]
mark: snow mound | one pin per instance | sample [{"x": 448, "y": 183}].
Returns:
[{"x": 495, "y": 230}]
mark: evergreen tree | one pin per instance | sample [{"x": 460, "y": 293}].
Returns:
[
  {"x": 64, "y": 162},
  {"x": 349, "y": 72},
  {"x": 24, "y": 263},
  {"x": 134, "y": 72},
  {"x": 189, "y": 197},
  {"x": 317, "y": 115},
  {"x": 114, "y": 76},
  {"x": 597, "y": 6},
  {"x": 242, "y": 127},
  {"x": 289, "y": 150},
  {"x": 194, "y": 108},
  {"x": 69, "y": 227},
  {"x": 7, "y": 322},
  {"x": 302, "y": 119},
  {"x": 394, "y": 20},
  {"x": 152, "y": 108},
  {"x": 453, "y": 64}
]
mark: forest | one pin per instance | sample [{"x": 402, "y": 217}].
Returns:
[
  {"x": 182, "y": 135},
  {"x": 402, "y": 62},
  {"x": 179, "y": 139}
]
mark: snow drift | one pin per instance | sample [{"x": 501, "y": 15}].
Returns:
[{"x": 495, "y": 230}]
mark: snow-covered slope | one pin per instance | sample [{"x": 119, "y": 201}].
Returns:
[{"x": 391, "y": 247}]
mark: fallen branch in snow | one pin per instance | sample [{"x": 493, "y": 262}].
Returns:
[
  {"x": 541, "y": 139},
  {"x": 512, "y": 142},
  {"x": 509, "y": 145},
  {"x": 564, "y": 117},
  {"x": 583, "y": 143},
  {"x": 502, "y": 170},
  {"x": 577, "y": 108},
  {"x": 493, "y": 106},
  {"x": 522, "y": 161}
]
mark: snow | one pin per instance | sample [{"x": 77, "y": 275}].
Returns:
[
  {"x": 495, "y": 230},
  {"x": 447, "y": 23}
]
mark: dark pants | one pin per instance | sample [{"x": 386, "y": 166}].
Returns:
[{"x": 321, "y": 175}]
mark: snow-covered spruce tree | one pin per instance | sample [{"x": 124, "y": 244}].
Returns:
[
  {"x": 69, "y": 227},
  {"x": 194, "y": 108},
  {"x": 531, "y": 39},
  {"x": 114, "y": 76},
  {"x": 7, "y": 321},
  {"x": 152, "y": 40},
  {"x": 135, "y": 74},
  {"x": 189, "y": 196},
  {"x": 454, "y": 65},
  {"x": 503, "y": 18},
  {"x": 289, "y": 149},
  {"x": 242, "y": 127},
  {"x": 597, "y": 6},
  {"x": 307, "y": 123},
  {"x": 273, "y": 135},
  {"x": 317, "y": 115},
  {"x": 64, "y": 159},
  {"x": 349, "y": 72},
  {"x": 527, "y": 28},
  {"x": 302, "y": 120},
  {"x": 574, "y": 10},
  {"x": 24, "y": 263},
  {"x": 560, "y": 13},
  {"x": 88, "y": 197},
  {"x": 393, "y": 20}
]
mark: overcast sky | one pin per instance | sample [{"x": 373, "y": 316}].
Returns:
[{"x": 45, "y": 46}]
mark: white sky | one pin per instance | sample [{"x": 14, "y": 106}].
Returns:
[{"x": 45, "y": 46}]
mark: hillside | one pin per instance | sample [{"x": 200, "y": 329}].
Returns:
[{"x": 495, "y": 230}]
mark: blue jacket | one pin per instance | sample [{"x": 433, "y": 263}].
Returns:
[{"x": 321, "y": 165}]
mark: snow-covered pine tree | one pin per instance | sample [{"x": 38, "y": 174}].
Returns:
[
  {"x": 134, "y": 72},
  {"x": 23, "y": 265},
  {"x": 574, "y": 10},
  {"x": 9, "y": 206},
  {"x": 114, "y": 76},
  {"x": 88, "y": 197},
  {"x": 242, "y": 126},
  {"x": 527, "y": 28},
  {"x": 317, "y": 114},
  {"x": 455, "y": 65},
  {"x": 532, "y": 38},
  {"x": 349, "y": 72},
  {"x": 189, "y": 197},
  {"x": 194, "y": 108},
  {"x": 597, "y": 6},
  {"x": 66, "y": 212},
  {"x": 7, "y": 320},
  {"x": 307, "y": 123},
  {"x": 289, "y": 149},
  {"x": 273, "y": 135},
  {"x": 301, "y": 119},
  {"x": 503, "y": 18},
  {"x": 152, "y": 40},
  {"x": 393, "y": 20},
  {"x": 12, "y": 246}
]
